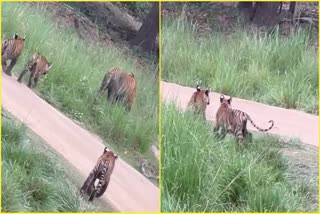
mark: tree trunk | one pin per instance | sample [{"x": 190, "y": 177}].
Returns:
[
  {"x": 149, "y": 30},
  {"x": 265, "y": 13},
  {"x": 292, "y": 7}
]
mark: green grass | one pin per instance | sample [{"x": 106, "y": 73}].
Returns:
[
  {"x": 203, "y": 174},
  {"x": 73, "y": 82},
  {"x": 280, "y": 71},
  {"x": 34, "y": 178}
]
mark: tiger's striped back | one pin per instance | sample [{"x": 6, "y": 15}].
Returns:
[{"x": 235, "y": 121}]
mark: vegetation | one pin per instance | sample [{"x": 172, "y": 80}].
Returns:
[
  {"x": 141, "y": 8},
  {"x": 73, "y": 82},
  {"x": 203, "y": 174},
  {"x": 276, "y": 70},
  {"x": 33, "y": 178}
]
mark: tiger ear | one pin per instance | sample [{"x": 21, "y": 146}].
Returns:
[
  {"x": 198, "y": 88},
  {"x": 229, "y": 100},
  {"x": 24, "y": 39},
  {"x": 115, "y": 157},
  {"x": 207, "y": 92},
  {"x": 105, "y": 149},
  {"x": 15, "y": 36},
  {"x": 221, "y": 98}
]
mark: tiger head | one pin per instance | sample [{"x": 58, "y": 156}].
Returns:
[
  {"x": 226, "y": 103},
  {"x": 204, "y": 93},
  {"x": 109, "y": 153},
  {"x": 16, "y": 37}
]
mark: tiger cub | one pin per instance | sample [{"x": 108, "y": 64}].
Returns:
[
  {"x": 235, "y": 121},
  {"x": 199, "y": 101},
  {"x": 11, "y": 50},
  {"x": 37, "y": 65}
]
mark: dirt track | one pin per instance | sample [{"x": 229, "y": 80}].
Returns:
[
  {"x": 288, "y": 123},
  {"x": 128, "y": 189}
]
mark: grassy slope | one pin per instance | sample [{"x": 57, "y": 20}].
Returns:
[
  {"x": 73, "y": 82},
  {"x": 34, "y": 178},
  {"x": 217, "y": 175},
  {"x": 278, "y": 71}
]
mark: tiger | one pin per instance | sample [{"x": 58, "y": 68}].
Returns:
[
  {"x": 199, "y": 101},
  {"x": 11, "y": 50},
  {"x": 37, "y": 65},
  {"x": 235, "y": 121},
  {"x": 102, "y": 171},
  {"x": 121, "y": 86}
]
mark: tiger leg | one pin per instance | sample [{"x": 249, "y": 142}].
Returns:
[
  {"x": 9, "y": 68},
  {"x": 219, "y": 132},
  {"x": 128, "y": 107},
  {"x": 245, "y": 132},
  {"x": 98, "y": 189},
  {"x": 103, "y": 86},
  {"x": 111, "y": 95},
  {"x": 88, "y": 183},
  {"x": 36, "y": 79},
  {"x": 93, "y": 194},
  {"x": 22, "y": 74},
  {"x": 249, "y": 136},
  {"x": 102, "y": 185},
  {"x": 239, "y": 135},
  {"x": 31, "y": 78}
]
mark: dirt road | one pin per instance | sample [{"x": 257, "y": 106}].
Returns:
[
  {"x": 288, "y": 123},
  {"x": 128, "y": 189}
]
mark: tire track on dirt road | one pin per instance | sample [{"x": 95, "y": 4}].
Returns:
[
  {"x": 128, "y": 189},
  {"x": 288, "y": 122}
]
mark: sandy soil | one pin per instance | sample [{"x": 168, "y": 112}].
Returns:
[
  {"x": 288, "y": 123},
  {"x": 128, "y": 189}
]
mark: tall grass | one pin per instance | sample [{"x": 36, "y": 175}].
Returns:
[
  {"x": 33, "y": 178},
  {"x": 281, "y": 71},
  {"x": 203, "y": 174},
  {"x": 78, "y": 68}
]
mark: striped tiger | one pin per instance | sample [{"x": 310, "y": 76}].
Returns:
[
  {"x": 121, "y": 86},
  {"x": 199, "y": 101},
  {"x": 235, "y": 121},
  {"x": 11, "y": 50},
  {"x": 37, "y": 65},
  {"x": 102, "y": 171}
]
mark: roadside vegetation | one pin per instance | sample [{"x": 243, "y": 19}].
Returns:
[
  {"x": 276, "y": 70},
  {"x": 34, "y": 178},
  {"x": 73, "y": 82},
  {"x": 203, "y": 174}
]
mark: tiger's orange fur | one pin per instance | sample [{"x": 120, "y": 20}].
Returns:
[
  {"x": 37, "y": 65},
  {"x": 121, "y": 86},
  {"x": 199, "y": 101},
  {"x": 11, "y": 50}
]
